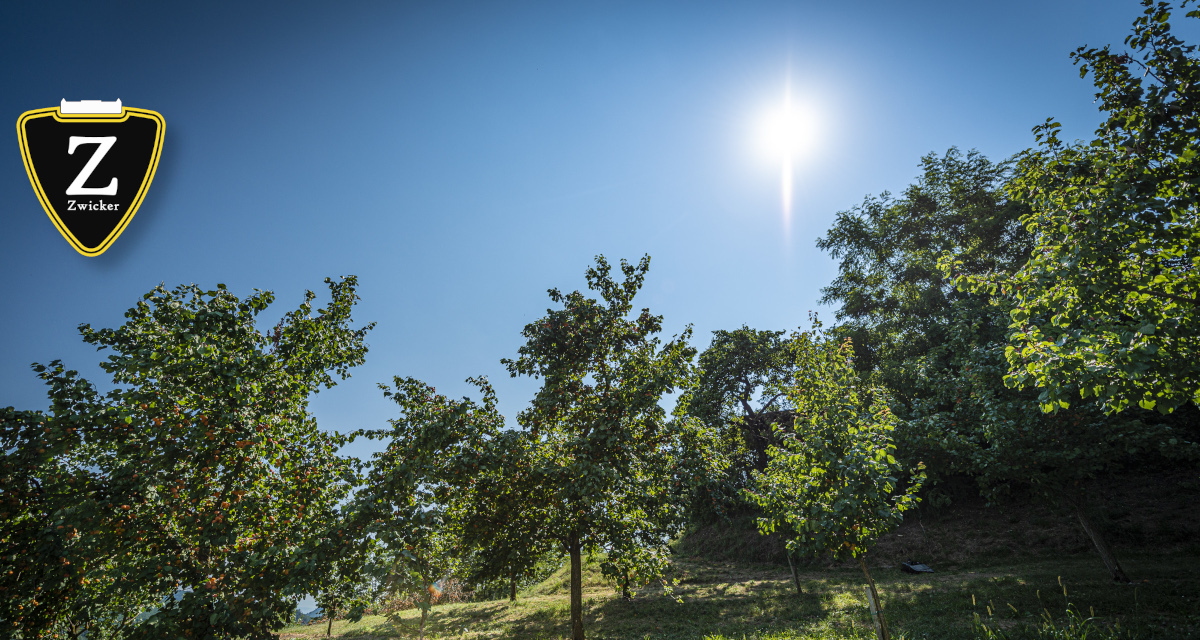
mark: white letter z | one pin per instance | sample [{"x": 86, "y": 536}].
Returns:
[{"x": 77, "y": 188}]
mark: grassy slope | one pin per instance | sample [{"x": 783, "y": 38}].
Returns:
[
  {"x": 732, "y": 601},
  {"x": 1007, "y": 554}
]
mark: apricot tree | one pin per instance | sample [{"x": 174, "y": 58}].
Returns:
[{"x": 199, "y": 485}]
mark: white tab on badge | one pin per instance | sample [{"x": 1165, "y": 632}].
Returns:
[{"x": 90, "y": 107}]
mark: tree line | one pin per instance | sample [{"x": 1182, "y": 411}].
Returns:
[{"x": 1023, "y": 323}]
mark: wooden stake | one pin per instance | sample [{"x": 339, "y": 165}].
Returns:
[
  {"x": 874, "y": 613},
  {"x": 881, "y": 629},
  {"x": 795, "y": 576}
]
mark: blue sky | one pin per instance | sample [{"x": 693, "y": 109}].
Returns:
[{"x": 462, "y": 158}]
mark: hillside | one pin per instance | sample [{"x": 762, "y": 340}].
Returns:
[
  {"x": 1154, "y": 511},
  {"x": 728, "y": 601},
  {"x": 1008, "y": 556}
]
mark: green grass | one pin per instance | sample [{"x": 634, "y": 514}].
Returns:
[{"x": 732, "y": 601}]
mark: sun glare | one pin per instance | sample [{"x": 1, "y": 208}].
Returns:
[{"x": 788, "y": 135}]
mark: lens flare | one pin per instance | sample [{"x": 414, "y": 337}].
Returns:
[{"x": 788, "y": 135}]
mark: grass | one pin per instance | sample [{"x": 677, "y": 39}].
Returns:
[{"x": 727, "y": 601}]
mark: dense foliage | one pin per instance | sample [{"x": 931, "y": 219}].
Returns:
[
  {"x": 1106, "y": 306},
  {"x": 997, "y": 321},
  {"x": 199, "y": 488},
  {"x": 738, "y": 394},
  {"x": 499, "y": 520},
  {"x": 435, "y": 448},
  {"x": 892, "y": 299},
  {"x": 833, "y": 484},
  {"x": 605, "y": 459}
]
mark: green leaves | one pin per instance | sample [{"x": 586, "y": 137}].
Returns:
[
  {"x": 978, "y": 423},
  {"x": 737, "y": 393},
  {"x": 202, "y": 469},
  {"x": 418, "y": 488},
  {"x": 895, "y": 302},
  {"x": 831, "y": 483},
  {"x": 1108, "y": 297},
  {"x": 603, "y": 457}
]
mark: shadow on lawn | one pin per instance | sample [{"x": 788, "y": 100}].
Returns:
[
  {"x": 728, "y": 609},
  {"x": 736, "y": 604}
]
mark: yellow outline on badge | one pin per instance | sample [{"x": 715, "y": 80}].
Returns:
[{"x": 126, "y": 113}]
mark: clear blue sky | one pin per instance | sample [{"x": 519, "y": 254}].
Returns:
[{"x": 462, "y": 158}]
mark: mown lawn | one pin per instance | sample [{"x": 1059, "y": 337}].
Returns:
[{"x": 728, "y": 601}]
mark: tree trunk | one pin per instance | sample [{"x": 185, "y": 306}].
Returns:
[
  {"x": 625, "y": 585},
  {"x": 795, "y": 576},
  {"x": 421, "y": 634},
  {"x": 576, "y": 588},
  {"x": 512, "y": 588},
  {"x": 752, "y": 430},
  {"x": 879, "y": 612},
  {"x": 1110, "y": 561},
  {"x": 329, "y": 627}
]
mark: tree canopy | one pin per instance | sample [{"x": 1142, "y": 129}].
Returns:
[
  {"x": 1106, "y": 306},
  {"x": 200, "y": 485},
  {"x": 833, "y": 484},
  {"x": 604, "y": 458},
  {"x": 435, "y": 448},
  {"x": 893, "y": 300}
]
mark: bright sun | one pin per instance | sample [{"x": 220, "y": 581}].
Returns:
[{"x": 788, "y": 134}]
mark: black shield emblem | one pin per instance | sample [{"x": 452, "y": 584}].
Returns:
[{"x": 91, "y": 163}]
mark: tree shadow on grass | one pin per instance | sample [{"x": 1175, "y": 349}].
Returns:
[
  {"x": 936, "y": 606},
  {"x": 526, "y": 619},
  {"x": 726, "y": 609}
]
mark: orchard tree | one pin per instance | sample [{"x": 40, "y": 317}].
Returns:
[
  {"x": 895, "y": 303},
  {"x": 739, "y": 370},
  {"x": 603, "y": 454},
  {"x": 833, "y": 484},
  {"x": 993, "y": 433},
  {"x": 499, "y": 517},
  {"x": 346, "y": 588},
  {"x": 737, "y": 393},
  {"x": 436, "y": 447},
  {"x": 1106, "y": 306},
  {"x": 202, "y": 471}
]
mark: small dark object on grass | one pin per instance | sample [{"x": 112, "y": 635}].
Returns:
[{"x": 914, "y": 567}]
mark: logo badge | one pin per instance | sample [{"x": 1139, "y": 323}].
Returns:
[{"x": 90, "y": 163}]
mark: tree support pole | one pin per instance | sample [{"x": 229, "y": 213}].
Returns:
[
  {"x": 876, "y": 607},
  {"x": 1106, "y": 554},
  {"x": 795, "y": 576}
]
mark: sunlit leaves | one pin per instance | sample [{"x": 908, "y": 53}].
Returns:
[
  {"x": 1106, "y": 305},
  {"x": 833, "y": 483},
  {"x": 978, "y": 427}
]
